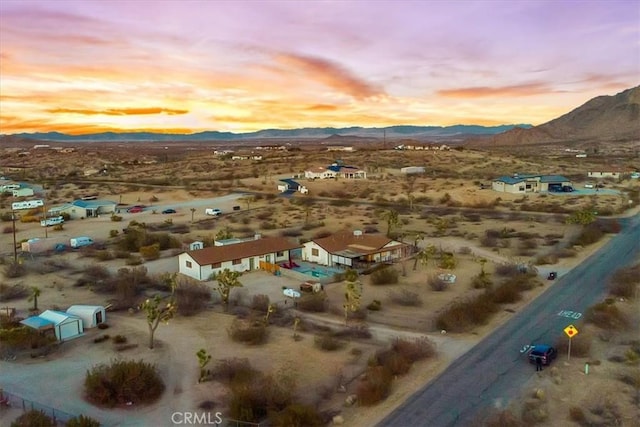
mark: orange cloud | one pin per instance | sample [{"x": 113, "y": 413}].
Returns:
[
  {"x": 119, "y": 111},
  {"x": 525, "y": 89},
  {"x": 322, "y": 107},
  {"x": 330, "y": 74}
]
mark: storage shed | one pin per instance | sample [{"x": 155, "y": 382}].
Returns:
[
  {"x": 91, "y": 315},
  {"x": 65, "y": 325}
]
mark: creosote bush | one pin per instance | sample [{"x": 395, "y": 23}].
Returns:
[
  {"x": 316, "y": 302},
  {"x": 328, "y": 342},
  {"x": 123, "y": 382},
  {"x": 384, "y": 276},
  {"x": 606, "y": 315},
  {"x": 251, "y": 332},
  {"x": 34, "y": 418}
]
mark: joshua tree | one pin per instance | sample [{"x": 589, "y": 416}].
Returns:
[
  {"x": 203, "y": 359},
  {"x": 392, "y": 219},
  {"x": 352, "y": 293},
  {"x": 226, "y": 279},
  {"x": 157, "y": 312},
  {"x": 248, "y": 200},
  {"x": 424, "y": 256},
  {"x": 35, "y": 293},
  {"x": 270, "y": 309},
  {"x": 296, "y": 322},
  {"x": 193, "y": 211}
]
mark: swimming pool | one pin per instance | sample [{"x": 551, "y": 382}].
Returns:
[{"x": 318, "y": 271}]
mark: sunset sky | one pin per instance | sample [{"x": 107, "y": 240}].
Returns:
[{"x": 187, "y": 66}]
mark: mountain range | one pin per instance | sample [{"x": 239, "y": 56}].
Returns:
[
  {"x": 391, "y": 132},
  {"x": 604, "y": 118}
]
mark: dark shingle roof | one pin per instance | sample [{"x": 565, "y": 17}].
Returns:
[
  {"x": 346, "y": 240},
  {"x": 265, "y": 245}
]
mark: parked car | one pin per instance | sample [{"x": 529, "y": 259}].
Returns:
[
  {"x": 589, "y": 185},
  {"x": 213, "y": 211},
  {"x": 169, "y": 211},
  {"x": 567, "y": 188},
  {"x": 544, "y": 352},
  {"x": 552, "y": 275},
  {"x": 135, "y": 209}
]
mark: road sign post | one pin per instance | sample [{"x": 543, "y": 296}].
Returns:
[{"x": 571, "y": 332}]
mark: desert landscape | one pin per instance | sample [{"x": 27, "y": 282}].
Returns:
[{"x": 452, "y": 218}]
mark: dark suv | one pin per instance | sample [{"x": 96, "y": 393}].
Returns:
[{"x": 545, "y": 353}]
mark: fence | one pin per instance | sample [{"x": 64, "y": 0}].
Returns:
[{"x": 10, "y": 399}]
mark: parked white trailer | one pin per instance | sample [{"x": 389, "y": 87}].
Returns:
[
  {"x": 52, "y": 221},
  {"x": 37, "y": 246},
  {"x": 78, "y": 242}
]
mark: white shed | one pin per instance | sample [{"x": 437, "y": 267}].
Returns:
[
  {"x": 65, "y": 325},
  {"x": 91, "y": 315}
]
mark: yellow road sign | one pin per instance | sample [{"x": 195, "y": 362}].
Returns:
[{"x": 571, "y": 331}]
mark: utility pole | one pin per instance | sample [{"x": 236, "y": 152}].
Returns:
[{"x": 15, "y": 250}]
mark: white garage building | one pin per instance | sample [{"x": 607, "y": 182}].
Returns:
[
  {"x": 66, "y": 326},
  {"x": 91, "y": 315}
]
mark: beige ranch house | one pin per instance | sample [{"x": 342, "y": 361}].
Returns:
[
  {"x": 529, "y": 183},
  {"x": 200, "y": 264},
  {"x": 335, "y": 170},
  {"x": 353, "y": 249}
]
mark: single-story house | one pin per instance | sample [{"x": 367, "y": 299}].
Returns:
[
  {"x": 354, "y": 250},
  {"x": 335, "y": 170},
  {"x": 243, "y": 256},
  {"x": 85, "y": 208},
  {"x": 65, "y": 326},
  {"x": 529, "y": 183},
  {"x": 610, "y": 174},
  {"x": 290, "y": 186},
  {"x": 91, "y": 315}
]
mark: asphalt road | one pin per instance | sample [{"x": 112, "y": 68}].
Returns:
[{"x": 493, "y": 372}]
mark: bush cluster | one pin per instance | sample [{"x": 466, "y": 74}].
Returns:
[
  {"x": 328, "y": 342},
  {"x": 384, "y": 276},
  {"x": 316, "y": 302},
  {"x": 405, "y": 298},
  {"x": 251, "y": 332},
  {"x": 123, "y": 382},
  {"x": 33, "y": 418},
  {"x": 625, "y": 282},
  {"x": 11, "y": 292},
  {"x": 192, "y": 297},
  {"x": 606, "y": 315}
]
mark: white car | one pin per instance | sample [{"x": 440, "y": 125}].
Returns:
[
  {"x": 213, "y": 211},
  {"x": 589, "y": 185}
]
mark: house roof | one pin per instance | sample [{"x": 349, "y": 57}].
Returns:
[
  {"x": 92, "y": 204},
  {"x": 56, "y": 317},
  {"x": 262, "y": 246},
  {"x": 74, "y": 309},
  {"x": 348, "y": 244},
  {"x": 291, "y": 183},
  {"x": 543, "y": 178},
  {"x": 37, "y": 323}
]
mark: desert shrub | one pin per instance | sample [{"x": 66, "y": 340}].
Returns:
[
  {"x": 252, "y": 332},
  {"x": 113, "y": 233},
  {"x": 385, "y": 276},
  {"x": 313, "y": 302},
  {"x": 447, "y": 261},
  {"x": 297, "y": 414},
  {"x": 96, "y": 272},
  {"x": 327, "y": 342},
  {"x": 503, "y": 418},
  {"x": 461, "y": 316},
  {"x": 534, "y": 411},
  {"x": 489, "y": 241},
  {"x": 192, "y": 297},
  {"x": 590, "y": 234},
  {"x": 414, "y": 350},
  {"x": 437, "y": 284},
  {"x": 122, "y": 382},
  {"x": 508, "y": 270},
  {"x": 8, "y": 229},
  {"x": 606, "y": 315},
  {"x": 394, "y": 362},
  {"x": 119, "y": 339},
  {"x": 133, "y": 260},
  {"x": 14, "y": 269},
  {"x": 291, "y": 232},
  {"x": 233, "y": 370},
  {"x": 82, "y": 421},
  {"x": 150, "y": 252},
  {"x": 375, "y": 387},
  {"x": 355, "y": 331},
  {"x": 12, "y": 292},
  {"x": 481, "y": 281},
  {"x": 104, "y": 255},
  {"x": 103, "y": 338},
  {"x": 375, "y": 305},
  {"x": 580, "y": 344},
  {"x": 116, "y": 218},
  {"x": 260, "y": 303},
  {"x": 124, "y": 347},
  {"x": 576, "y": 414},
  {"x": 261, "y": 395},
  {"x": 29, "y": 218},
  {"x": 632, "y": 378},
  {"x": 103, "y": 326},
  {"x": 505, "y": 293},
  {"x": 34, "y": 418},
  {"x": 624, "y": 281},
  {"x": 405, "y": 298}
]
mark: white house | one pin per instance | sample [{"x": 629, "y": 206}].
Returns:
[
  {"x": 529, "y": 183},
  {"x": 244, "y": 256},
  {"x": 91, "y": 315},
  {"x": 65, "y": 326},
  {"x": 336, "y": 170},
  {"x": 354, "y": 249},
  {"x": 610, "y": 174},
  {"x": 85, "y": 208}
]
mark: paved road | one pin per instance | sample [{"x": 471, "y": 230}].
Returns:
[{"x": 493, "y": 372}]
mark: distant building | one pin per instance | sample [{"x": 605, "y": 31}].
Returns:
[
  {"x": 412, "y": 170},
  {"x": 85, "y": 208},
  {"x": 529, "y": 183},
  {"x": 336, "y": 170},
  {"x": 609, "y": 174}
]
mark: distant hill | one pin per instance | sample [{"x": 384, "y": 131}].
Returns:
[
  {"x": 391, "y": 132},
  {"x": 604, "y": 118}
]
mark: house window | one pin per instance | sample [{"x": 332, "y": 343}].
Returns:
[
  {"x": 280, "y": 254},
  {"x": 216, "y": 265},
  {"x": 188, "y": 264},
  {"x": 237, "y": 261},
  {"x": 315, "y": 252}
]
